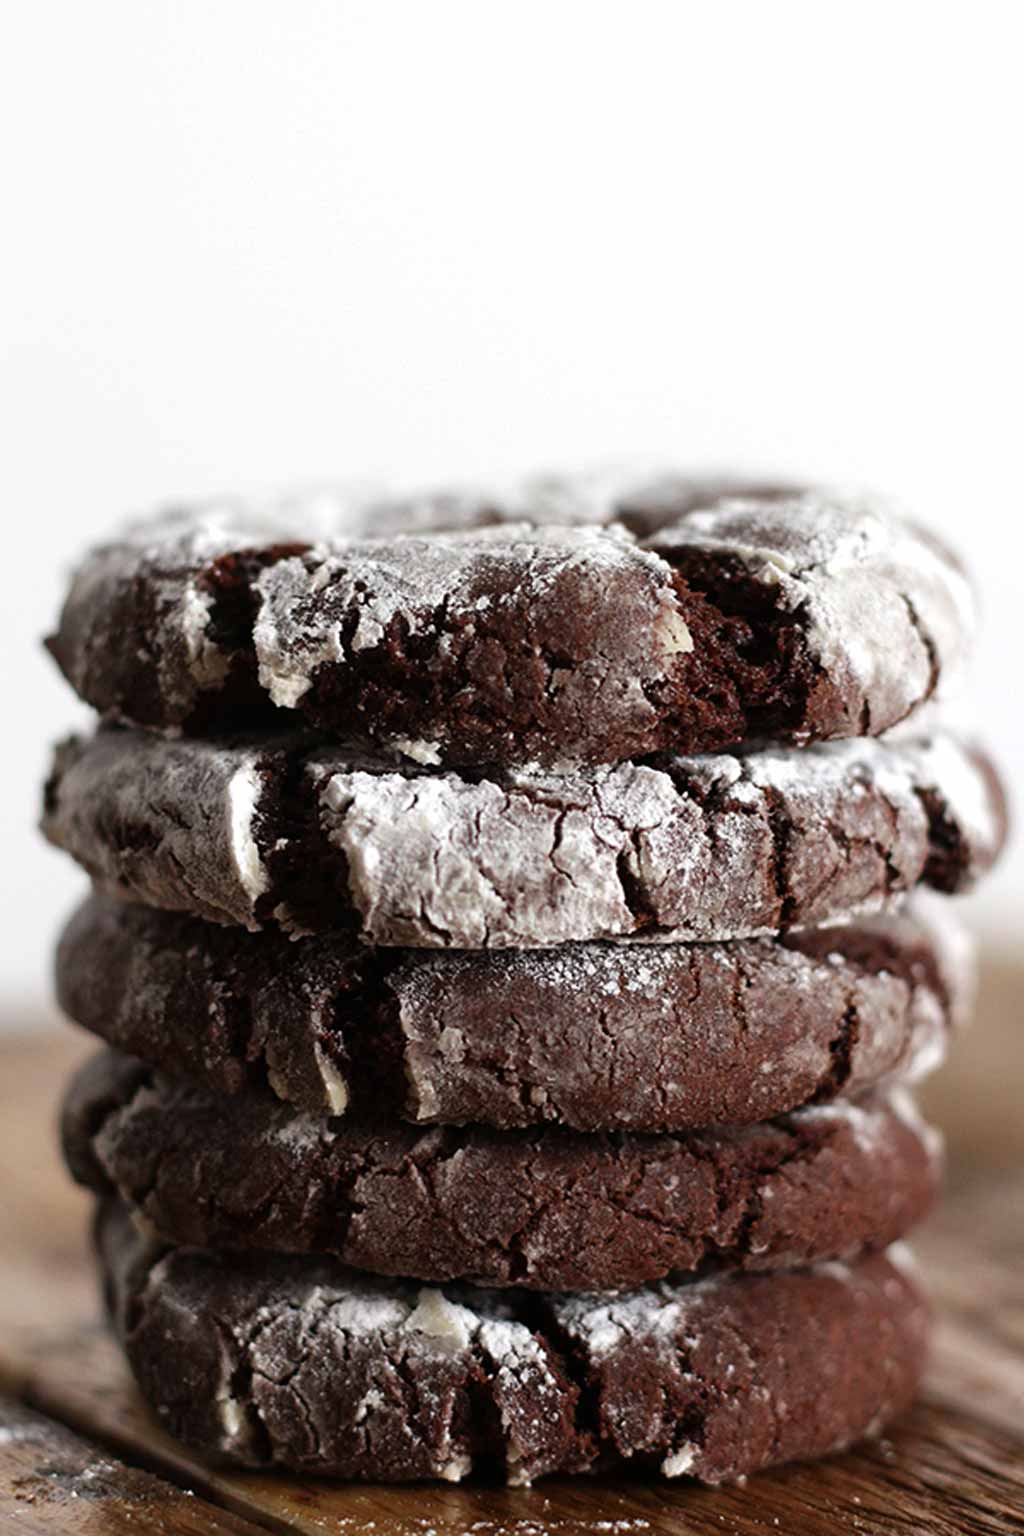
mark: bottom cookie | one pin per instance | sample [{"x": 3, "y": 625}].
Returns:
[{"x": 302, "y": 1363}]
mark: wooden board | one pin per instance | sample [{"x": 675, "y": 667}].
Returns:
[
  {"x": 956, "y": 1465},
  {"x": 53, "y": 1480}
]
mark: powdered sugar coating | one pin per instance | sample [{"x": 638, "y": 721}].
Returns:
[
  {"x": 165, "y": 557},
  {"x": 540, "y": 1209},
  {"x": 683, "y": 1337},
  {"x": 378, "y": 1332},
  {"x": 308, "y": 602},
  {"x": 688, "y": 850},
  {"x": 546, "y": 622},
  {"x": 310, "y": 1366},
  {"x": 593, "y": 1036},
  {"x": 243, "y": 793},
  {"x": 955, "y": 950},
  {"x": 869, "y": 587},
  {"x": 678, "y": 849},
  {"x": 190, "y": 822}
]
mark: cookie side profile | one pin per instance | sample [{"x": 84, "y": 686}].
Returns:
[
  {"x": 264, "y": 831},
  {"x": 543, "y": 1209},
  {"x": 672, "y": 616},
  {"x": 592, "y": 1036},
  {"x": 300, "y": 1363}
]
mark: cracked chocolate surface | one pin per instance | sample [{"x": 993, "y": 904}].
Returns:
[
  {"x": 264, "y": 831},
  {"x": 548, "y": 624},
  {"x": 592, "y": 1036},
  {"x": 542, "y": 1209},
  {"x": 301, "y": 1363}
]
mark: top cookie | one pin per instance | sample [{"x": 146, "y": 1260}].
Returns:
[{"x": 563, "y": 622}]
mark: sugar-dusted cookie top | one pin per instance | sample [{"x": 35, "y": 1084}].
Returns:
[
  {"x": 559, "y": 622},
  {"x": 266, "y": 831}
]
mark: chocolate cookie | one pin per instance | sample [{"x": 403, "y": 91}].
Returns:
[
  {"x": 543, "y": 1209},
  {"x": 303, "y": 1364},
  {"x": 594, "y": 1036},
  {"x": 265, "y": 830},
  {"x": 796, "y": 616}
]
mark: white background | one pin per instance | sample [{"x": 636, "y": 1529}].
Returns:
[{"x": 246, "y": 243}]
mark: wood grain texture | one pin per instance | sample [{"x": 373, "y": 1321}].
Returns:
[
  {"x": 53, "y": 1480},
  {"x": 954, "y": 1466}
]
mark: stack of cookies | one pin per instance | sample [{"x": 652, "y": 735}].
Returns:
[{"x": 511, "y": 938}]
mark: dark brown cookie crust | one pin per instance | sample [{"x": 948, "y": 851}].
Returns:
[
  {"x": 592, "y": 1036},
  {"x": 547, "y": 1209},
  {"x": 267, "y": 831},
  {"x": 300, "y": 1363},
  {"x": 684, "y": 616}
]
